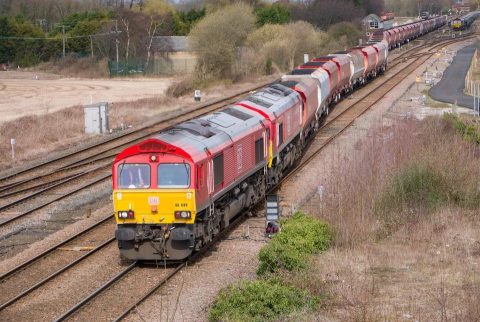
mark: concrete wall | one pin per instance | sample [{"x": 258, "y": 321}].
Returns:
[{"x": 182, "y": 63}]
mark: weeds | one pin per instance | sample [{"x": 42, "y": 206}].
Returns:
[
  {"x": 181, "y": 88},
  {"x": 261, "y": 300},
  {"x": 301, "y": 236},
  {"x": 282, "y": 292},
  {"x": 468, "y": 130},
  {"x": 417, "y": 189}
]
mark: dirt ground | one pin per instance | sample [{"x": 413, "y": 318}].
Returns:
[{"x": 25, "y": 93}]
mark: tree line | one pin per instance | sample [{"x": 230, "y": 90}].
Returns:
[{"x": 32, "y": 31}]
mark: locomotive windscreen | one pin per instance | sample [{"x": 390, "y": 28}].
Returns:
[{"x": 173, "y": 175}]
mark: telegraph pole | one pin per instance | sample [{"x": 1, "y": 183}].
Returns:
[
  {"x": 91, "y": 46},
  {"x": 116, "y": 41},
  {"x": 63, "y": 40}
]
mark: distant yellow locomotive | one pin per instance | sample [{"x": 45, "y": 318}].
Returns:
[{"x": 465, "y": 21}]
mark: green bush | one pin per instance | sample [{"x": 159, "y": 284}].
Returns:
[
  {"x": 261, "y": 300},
  {"x": 272, "y": 14},
  {"x": 300, "y": 236},
  {"x": 420, "y": 189},
  {"x": 471, "y": 132},
  {"x": 417, "y": 187}
]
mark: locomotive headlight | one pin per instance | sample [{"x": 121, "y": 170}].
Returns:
[
  {"x": 126, "y": 214},
  {"x": 183, "y": 214}
]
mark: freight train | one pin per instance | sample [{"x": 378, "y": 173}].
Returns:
[
  {"x": 464, "y": 22},
  {"x": 397, "y": 36},
  {"x": 173, "y": 192}
]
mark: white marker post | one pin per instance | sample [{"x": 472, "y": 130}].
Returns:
[
  {"x": 197, "y": 96},
  {"x": 12, "y": 143},
  {"x": 305, "y": 58}
]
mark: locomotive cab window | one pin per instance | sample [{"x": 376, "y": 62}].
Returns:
[
  {"x": 259, "y": 153},
  {"x": 133, "y": 176},
  {"x": 173, "y": 175},
  {"x": 218, "y": 169},
  {"x": 280, "y": 134}
]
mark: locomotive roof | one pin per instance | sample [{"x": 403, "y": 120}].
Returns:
[
  {"x": 212, "y": 131},
  {"x": 316, "y": 62},
  {"x": 273, "y": 99}
]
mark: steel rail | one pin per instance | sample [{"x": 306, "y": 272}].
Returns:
[
  {"x": 15, "y": 192},
  {"x": 23, "y": 214},
  {"x": 16, "y": 269},
  {"x": 151, "y": 291},
  {"x": 51, "y": 187},
  {"x": 55, "y": 274},
  {"x": 194, "y": 110},
  {"x": 96, "y": 292},
  {"x": 36, "y": 193}
]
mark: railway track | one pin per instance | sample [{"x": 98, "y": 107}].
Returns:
[
  {"x": 104, "y": 157},
  {"x": 60, "y": 178},
  {"x": 339, "y": 120},
  {"x": 110, "y": 147},
  {"x": 33, "y": 273},
  {"x": 114, "y": 287},
  {"x": 86, "y": 306}
]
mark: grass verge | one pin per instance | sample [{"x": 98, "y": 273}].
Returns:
[
  {"x": 260, "y": 300},
  {"x": 300, "y": 237},
  {"x": 282, "y": 289}
]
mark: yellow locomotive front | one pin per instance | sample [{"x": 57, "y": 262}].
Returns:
[{"x": 154, "y": 204}]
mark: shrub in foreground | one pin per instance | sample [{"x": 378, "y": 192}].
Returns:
[
  {"x": 468, "y": 130},
  {"x": 420, "y": 189},
  {"x": 300, "y": 236},
  {"x": 261, "y": 300}
]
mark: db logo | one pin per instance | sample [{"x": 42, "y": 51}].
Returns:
[{"x": 153, "y": 201}]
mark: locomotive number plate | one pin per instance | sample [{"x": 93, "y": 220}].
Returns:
[{"x": 153, "y": 201}]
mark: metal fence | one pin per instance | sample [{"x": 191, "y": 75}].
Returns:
[{"x": 126, "y": 68}]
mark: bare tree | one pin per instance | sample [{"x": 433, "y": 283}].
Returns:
[
  {"x": 126, "y": 24},
  {"x": 151, "y": 30},
  {"x": 323, "y": 13}
]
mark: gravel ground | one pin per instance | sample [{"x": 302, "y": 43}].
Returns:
[
  {"x": 121, "y": 295},
  {"x": 34, "y": 248},
  {"x": 190, "y": 293},
  {"x": 64, "y": 291},
  {"x": 18, "y": 235},
  {"x": 32, "y": 274}
]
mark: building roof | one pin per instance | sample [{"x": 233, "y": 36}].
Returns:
[
  {"x": 170, "y": 44},
  {"x": 372, "y": 17}
]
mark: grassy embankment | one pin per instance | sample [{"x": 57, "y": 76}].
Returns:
[{"x": 405, "y": 215}]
